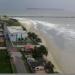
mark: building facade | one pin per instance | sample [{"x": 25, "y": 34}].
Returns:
[{"x": 16, "y": 32}]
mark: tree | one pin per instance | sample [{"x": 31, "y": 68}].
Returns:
[
  {"x": 49, "y": 67},
  {"x": 39, "y": 51},
  {"x": 32, "y": 35},
  {"x": 24, "y": 28},
  {"x": 36, "y": 53},
  {"x": 38, "y": 40},
  {"x": 14, "y": 20},
  {"x": 43, "y": 50},
  {"x": 29, "y": 34}
]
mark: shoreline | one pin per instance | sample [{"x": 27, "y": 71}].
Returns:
[{"x": 47, "y": 42}]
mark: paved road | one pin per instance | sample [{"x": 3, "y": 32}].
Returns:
[
  {"x": 20, "y": 65},
  {"x": 17, "y": 57}
]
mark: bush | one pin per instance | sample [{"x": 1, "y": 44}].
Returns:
[
  {"x": 43, "y": 50},
  {"x": 49, "y": 67},
  {"x": 34, "y": 37},
  {"x": 13, "y": 22},
  {"x": 38, "y": 40},
  {"x": 24, "y": 28},
  {"x": 39, "y": 51}
]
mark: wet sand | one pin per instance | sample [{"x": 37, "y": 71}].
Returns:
[{"x": 52, "y": 51}]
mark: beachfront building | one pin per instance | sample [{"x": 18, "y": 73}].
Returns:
[{"x": 16, "y": 32}]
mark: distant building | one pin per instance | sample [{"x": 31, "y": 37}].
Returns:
[{"x": 16, "y": 32}]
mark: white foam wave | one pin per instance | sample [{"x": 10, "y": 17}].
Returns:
[
  {"x": 67, "y": 33},
  {"x": 50, "y": 25},
  {"x": 60, "y": 30}
]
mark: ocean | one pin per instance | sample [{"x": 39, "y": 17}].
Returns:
[{"x": 60, "y": 28}]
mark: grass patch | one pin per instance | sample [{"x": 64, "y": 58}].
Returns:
[
  {"x": 5, "y": 66},
  {"x": 30, "y": 41}
]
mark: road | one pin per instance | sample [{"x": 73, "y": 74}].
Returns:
[{"x": 17, "y": 57}]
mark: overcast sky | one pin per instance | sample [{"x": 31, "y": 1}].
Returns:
[{"x": 21, "y": 5}]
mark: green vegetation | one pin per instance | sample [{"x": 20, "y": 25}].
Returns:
[
  {"x": 39, "y": 51},
  {"x": 12, "y": 22},
  {"x": 49, "y": 67},
  {"x": 29, "y": 41},
  {"x": 24, "y": 28},
  {"x": 5, "y": 66},
  {"x": 34, "y": 37}
]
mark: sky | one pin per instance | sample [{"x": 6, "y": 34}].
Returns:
[{"x": 21, "y": 5}]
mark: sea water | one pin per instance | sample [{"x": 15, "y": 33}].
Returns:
[{"x": 61, "y": 29}]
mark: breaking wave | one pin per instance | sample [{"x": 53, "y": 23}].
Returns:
[
  {"x": 60, "y": 30},
  {"x": 63, "y": 35}
]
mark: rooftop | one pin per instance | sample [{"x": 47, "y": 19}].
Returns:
[{"x": 14, "y": 29}]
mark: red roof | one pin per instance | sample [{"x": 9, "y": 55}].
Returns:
[{"x": 28, "y": 46}]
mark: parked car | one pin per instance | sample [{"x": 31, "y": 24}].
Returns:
[{"x": 35, "y": 66}]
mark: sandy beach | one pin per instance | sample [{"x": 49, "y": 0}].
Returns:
[
  {"x": 52, "y": 51},
  {"x": 58, "y": 36}
]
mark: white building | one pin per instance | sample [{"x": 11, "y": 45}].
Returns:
[{"x": 16, "y": 32}]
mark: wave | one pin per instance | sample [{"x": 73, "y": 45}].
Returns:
[
  {"x": 64, "y": 30},
  {"x": 45, "y": 26}
]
